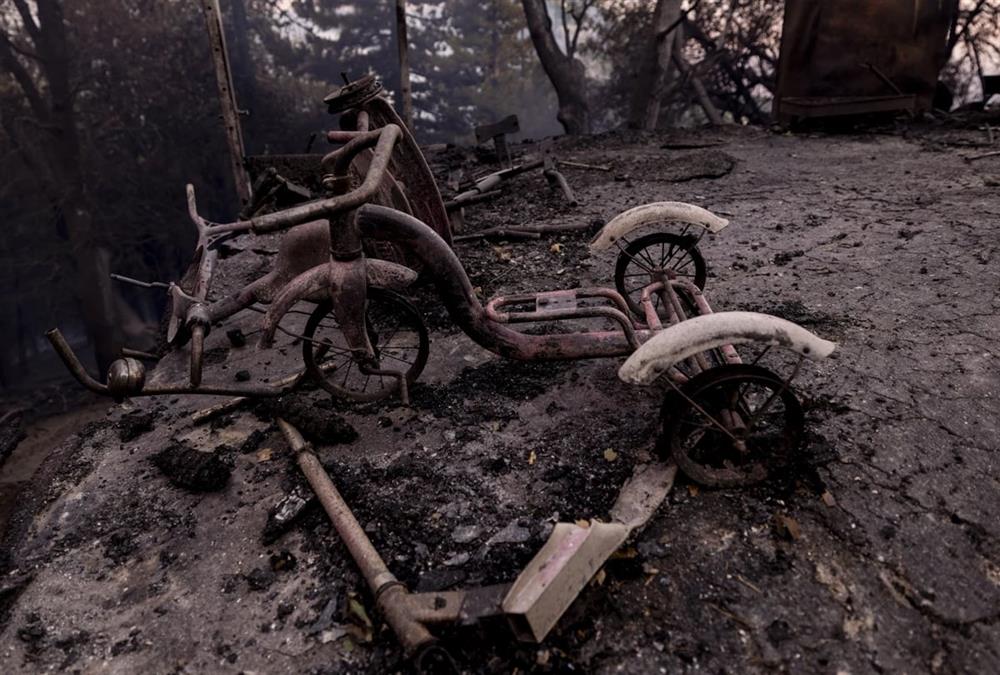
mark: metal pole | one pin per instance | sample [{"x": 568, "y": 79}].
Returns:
[
  {"x": 390, "y": 594},
  {"x": 404, "y": 64},
  {"x": 227, "y": 99}
]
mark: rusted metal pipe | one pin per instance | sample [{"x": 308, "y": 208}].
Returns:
[
  {"x": 463, "y": 305},
  {"x": 76, "y": 368},
  {"x": 728, "y": 351},
  {"x": 390, "y": 594},
  {"x": 73, "y": 364},
  {"x": 324, "y": 208},
  {"x": 341, "y": 158},
  {"x": 646, "y": 302},
  {"x": 669, "y": 295},
  {"x": 363, "y": 121},
  {"x": 573, "y": 313},
  {"x": 554, "y": 176}
]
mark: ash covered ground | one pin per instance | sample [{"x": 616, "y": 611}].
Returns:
[{"x": 880, "y": 551}]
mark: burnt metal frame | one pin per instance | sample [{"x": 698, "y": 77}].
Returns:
[
  {"x": 351, "y": 220},
  {"x": 343, "y": 222}
]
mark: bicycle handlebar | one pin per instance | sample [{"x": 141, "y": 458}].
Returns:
[{"x": 384, "y": 140}]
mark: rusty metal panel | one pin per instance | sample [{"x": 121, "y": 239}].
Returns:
[{"x": 862, "y": 48}]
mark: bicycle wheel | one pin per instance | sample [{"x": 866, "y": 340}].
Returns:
[
  {"x": 397, "y": 334},
  {"x": 731, "y": 425},
  {"x": 643, "y": 259}
]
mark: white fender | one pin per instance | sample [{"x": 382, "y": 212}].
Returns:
[
  {"x": 710, "y": 331},
  {"x": 649, "y": 214}
]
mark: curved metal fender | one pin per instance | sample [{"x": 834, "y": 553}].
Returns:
[
  {"x": 648, "y": 214},
  {"x": 710, "y": 331},
  {"x": 313, "y": 284}
]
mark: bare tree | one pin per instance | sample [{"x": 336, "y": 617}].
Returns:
[
  {"x": 566, "y": 72},
  {"x": 973, "y": 47},
  {"x": 40, "y": 65},
  {"x": 656, "y": 70}
]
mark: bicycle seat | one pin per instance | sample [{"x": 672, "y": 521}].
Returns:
[{"x": 353, "y": 95}]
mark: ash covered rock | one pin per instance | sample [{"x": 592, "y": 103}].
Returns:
[
  {"x": 709, "y": 163},
  {"x": 135, "y": 424},
  {"x": 312, "y": 414},
  {"x": 192, "y": 469}
]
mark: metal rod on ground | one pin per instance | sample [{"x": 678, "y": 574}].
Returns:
[
  {"x": 227, "y": 99},
  {"x": 497, "y": 233},
  {"x": 557, "y": 178},
  {"x": 291, "y": 382},
  {"x": 581, "y": 165},
  {"x": 390, "y": 594},
  {"x": 404, "y": 64},
  {"x": 469, "y": 201}
]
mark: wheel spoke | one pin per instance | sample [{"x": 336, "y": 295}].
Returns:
[
  {"x": 674, "y": 250},
  {"x": 644, "y": 252},
  {"x": 394, "y": 329},
  {"x": 701, "y": 410},
  {"x": 639, "y": 263},
  {"x": 396, "y": 358}
]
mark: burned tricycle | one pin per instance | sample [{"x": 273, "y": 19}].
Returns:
[{"x": 351, "y": 255}]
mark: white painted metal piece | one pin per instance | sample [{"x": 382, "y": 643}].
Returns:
[
  {"x": 556, "y": 575},
  {"x": 651, "y": 214},
  {"x": 703, "y": 333}
]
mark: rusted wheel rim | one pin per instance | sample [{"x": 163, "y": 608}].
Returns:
[
  {"x": 642, "y": 259},
  {"x": 732, "y": 425},
  {"x": 397, "y": 333}
]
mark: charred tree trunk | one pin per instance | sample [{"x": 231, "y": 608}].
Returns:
[
  {"x": 246, "y": 74},
  {"x": 656, "y": 70},
  {"x": 58, "y": 159},
  {"x": 403, "y": 51},
  {"x": 566, "y": 72},
  {"x": 732, "y": 70}
]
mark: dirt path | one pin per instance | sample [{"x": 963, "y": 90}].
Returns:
[{"x": 881, "y": 553}]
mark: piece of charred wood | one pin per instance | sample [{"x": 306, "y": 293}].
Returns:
[{"x": 192, "y": 469}]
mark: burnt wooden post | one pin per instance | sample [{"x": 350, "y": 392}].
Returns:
[
  {"x": 227, "y": 99},
  {"x": 498, "y": 133},
  {"x": 404, "y": 64}
]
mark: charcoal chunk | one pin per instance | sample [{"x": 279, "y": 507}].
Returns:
[{"x": 191, "y": 469}]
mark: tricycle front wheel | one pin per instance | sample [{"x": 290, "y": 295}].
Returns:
[
  {"x": 731, "y": 425},
  {"x": 645, "y": 259}
]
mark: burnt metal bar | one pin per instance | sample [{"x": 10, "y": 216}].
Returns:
[
  {"x": 728, "y": 351},
  {"x": 390, "y": 595},
  {"x": 135, "y": 385},
  {"x": 227, "y": 99},
  {"x": 464, "y": 307},
  {"x": 698, "y": 362}
]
